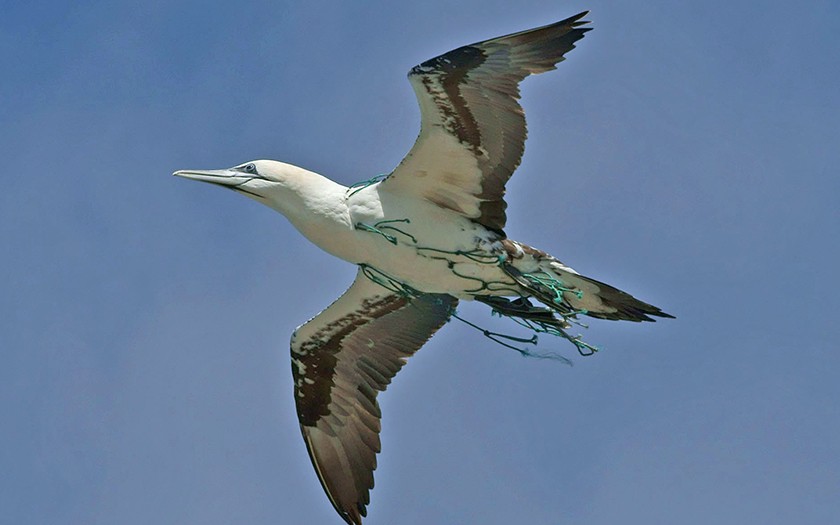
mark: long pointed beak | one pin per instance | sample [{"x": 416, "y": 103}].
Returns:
[
  {"x": 220, "y": 177},
  {"x": 230, "y": 179}
]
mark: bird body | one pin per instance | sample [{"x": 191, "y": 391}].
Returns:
[
  {"x": 423, "y": 254},
  {"x": 425, "y": 237}
]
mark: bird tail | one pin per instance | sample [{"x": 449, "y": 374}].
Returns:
[{"x": 568, "y": 293}]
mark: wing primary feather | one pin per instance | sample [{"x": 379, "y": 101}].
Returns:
[
  {"x": 471, "y": 120},
  {"x": 342, "y": 359}
]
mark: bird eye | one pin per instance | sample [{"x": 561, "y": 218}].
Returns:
[{"x": 250, "y": 168}]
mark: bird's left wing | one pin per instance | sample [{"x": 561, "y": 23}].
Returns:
[
  {"x": 472, "y": 134},
  {"x": 341, "y": 360}
]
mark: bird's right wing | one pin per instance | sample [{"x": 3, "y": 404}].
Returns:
[{"x": 341, "y": 360}]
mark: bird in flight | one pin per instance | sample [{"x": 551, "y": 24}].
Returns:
[{"x": 429, "y": 234}]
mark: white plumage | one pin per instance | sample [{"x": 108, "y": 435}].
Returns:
[{"x": 427, "y": 236}]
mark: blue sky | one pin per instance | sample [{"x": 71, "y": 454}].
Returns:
[{"x": 687, "y": 153}]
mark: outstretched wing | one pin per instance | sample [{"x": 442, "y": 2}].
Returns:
[
  {"x": 341, "y": 360},
  {"x": 472, "y": 134}
]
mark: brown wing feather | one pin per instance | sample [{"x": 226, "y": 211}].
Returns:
[
  {"x": 473, "y": 129},
  {"x": 341, "y": 360}
]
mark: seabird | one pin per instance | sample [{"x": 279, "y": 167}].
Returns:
[{"x": 429, "y": 234}]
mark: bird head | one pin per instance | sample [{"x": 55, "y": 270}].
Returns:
[{"x": 261, "y": 180}]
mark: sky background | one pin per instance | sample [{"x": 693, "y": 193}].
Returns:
[{"x": 685, "y": 152}]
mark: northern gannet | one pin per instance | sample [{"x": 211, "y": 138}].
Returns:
[{"x": 429, "y": 234}]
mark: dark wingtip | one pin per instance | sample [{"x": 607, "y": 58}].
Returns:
[
  {"x": 576, "y": 21},
  {"x": 649, "y": 310},
  {"x": 640, "y": 317},
  {"x": 353, "y": 519}
]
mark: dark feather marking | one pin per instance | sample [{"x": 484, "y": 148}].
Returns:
[
  {"x": 452, "y": 69},
  {"x": 628, "y": 307},
  {"x": 318, "y": 355},
  {"x": 476, "y": 91},
  {"x": 344, "y": 364}
]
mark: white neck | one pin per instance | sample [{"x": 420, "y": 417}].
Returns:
[{"x": 314, "y": 204}]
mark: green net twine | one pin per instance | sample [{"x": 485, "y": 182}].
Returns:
[
  {"x": 359, "y": 186},
  {"x": 539, "y": 281}
]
